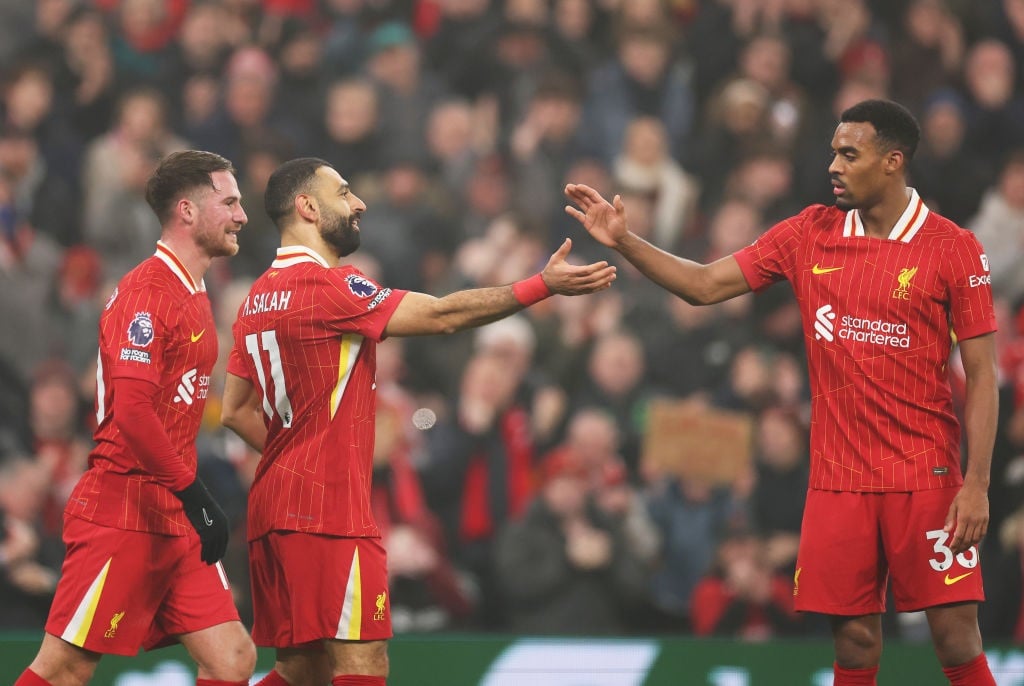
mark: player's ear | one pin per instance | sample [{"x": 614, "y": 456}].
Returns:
[
  {"x": 895, "y": 161},
  {"x": 307, "y": 207},
  {"x": 186, "y": 210}
]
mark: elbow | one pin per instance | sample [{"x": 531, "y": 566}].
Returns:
[{"x": 229, "y": 418}]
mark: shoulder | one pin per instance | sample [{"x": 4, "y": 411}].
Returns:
[
  {"x": 354, "y": 281},
  {"x": 151, "y": 282},
  {"x": 949, "y": 230},
  {"x": 821, "y": 217},
  {"x": 814, "y": 218}
]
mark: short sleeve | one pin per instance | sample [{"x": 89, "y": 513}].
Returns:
[
  {"x": 358, "y": 304},
  {"x": 136, "y": 334},
  {"x": 970, "y": 288},
  {"x": 236, "y": 362},
  {"x": 772, "y": 257}
]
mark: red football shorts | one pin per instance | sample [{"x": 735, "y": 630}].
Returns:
[
  {"x": 121, "y": 590},
  {"x": 308, "y": 587},
  {"x": 850, "y": 543}
]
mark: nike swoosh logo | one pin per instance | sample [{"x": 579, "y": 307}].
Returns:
[
  {"x": 209, "y": 522},
  {"x": 951, "y": 581},
  {"x": 197, "y": 336},
  {"x": 823, "y": 270}
]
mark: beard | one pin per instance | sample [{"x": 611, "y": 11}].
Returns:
[
  {"x": 340, "y": 232},
  {"x": 215, "y": 243}
]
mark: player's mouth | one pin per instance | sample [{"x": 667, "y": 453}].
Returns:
[{"x": 838, "y": 188}]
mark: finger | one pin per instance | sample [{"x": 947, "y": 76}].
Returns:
[
  {"x": 575, "y": 214},
  {"x": 957, "y": 544},
  {"x": 620, "y": 208},
  {"x": 587, "y": 269},
  {"x": 950, "y": 518},
  {"x": 563, "y": 249}
]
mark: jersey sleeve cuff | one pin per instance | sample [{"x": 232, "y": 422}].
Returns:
[
  {"x": 976, "y": 329},
  {"x": 745, "y": 259}
]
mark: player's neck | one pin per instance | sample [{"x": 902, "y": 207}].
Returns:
[
  {"x": 879, "y": 219},
  {"x": 311, "y": 242},
  {"x": 194, "y": 258}
]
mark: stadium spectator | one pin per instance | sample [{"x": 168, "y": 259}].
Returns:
[
  {"x": 565, "y": 566},
  {"x": 744, "y": 597},
  {"x": 1000, "y": 224}
]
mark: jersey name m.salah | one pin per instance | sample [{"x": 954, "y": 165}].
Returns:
[
  {"x": 306, "y": 338},
  {"x": 879, "y": 317}
]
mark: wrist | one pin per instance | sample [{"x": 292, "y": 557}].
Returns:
[
  {"x": 195, "y": 492},
  {"x": 531, "y": 290}
]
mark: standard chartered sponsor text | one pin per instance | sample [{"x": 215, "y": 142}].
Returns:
[{"x": 875, "y": 331}]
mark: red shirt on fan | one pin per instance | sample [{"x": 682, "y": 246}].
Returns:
[
  {"x": 157, "y": 327},
  {"x": 877, "y": 315},
  {"x": 306, "y": 339}
]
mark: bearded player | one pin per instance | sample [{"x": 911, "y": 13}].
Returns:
[{"x": 300, "y": 388}]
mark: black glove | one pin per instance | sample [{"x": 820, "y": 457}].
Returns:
[{"x": 208, "y": 519}]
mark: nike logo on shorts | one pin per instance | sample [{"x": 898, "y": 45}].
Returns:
[{"x": 952, "y": 580}]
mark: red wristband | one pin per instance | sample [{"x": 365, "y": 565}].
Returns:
[{"x": 531, "y": 290}]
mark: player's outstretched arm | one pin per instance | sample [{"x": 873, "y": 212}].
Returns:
[
  {"x": 421, "y": 314},
  {"x": 969, "y": 514},
  {"x": 241, "y": 411},
  {"x": 697, "y": 284}
]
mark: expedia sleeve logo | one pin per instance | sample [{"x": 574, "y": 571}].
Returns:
[
  {"x": 140, "y": 331},
  {"x": 360, "y": 286}
]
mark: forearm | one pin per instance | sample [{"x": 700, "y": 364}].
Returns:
[
  {"x": 249, "y": 426},
  {"x": 981, "y": 409},
  {"x": 136, "y": 419},
  {"x": 475, "y": 307},
  {"x": 242, "y": 411},
  {"x": 695, "y": 283}
]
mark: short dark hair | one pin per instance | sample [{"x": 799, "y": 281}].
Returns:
[
  {"x": 180, "y": 173},
  {"x": 288, "y": 180},
  {"x": 894, "y": 125}
]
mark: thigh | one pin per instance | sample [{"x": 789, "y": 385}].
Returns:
[
  {"x": 198, "y": 598},
  {"x": 307, "y": 588},
  {"x": 840, "y": 568},
  {"x": 112, "y": 584},
  {"x": 925, "y": 572}
]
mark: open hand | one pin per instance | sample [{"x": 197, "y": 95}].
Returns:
[
  {"x": 605, "y": 221},
  {"x": 569, "y": 279}
]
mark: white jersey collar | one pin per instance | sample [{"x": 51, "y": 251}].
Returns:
[
  {"x": 910, "y": 222},
  {"x": 297, "y": 254},
  {"x": 174, "y": 263}
]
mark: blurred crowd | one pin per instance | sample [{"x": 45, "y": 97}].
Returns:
[{"x": 519, "y": 498}]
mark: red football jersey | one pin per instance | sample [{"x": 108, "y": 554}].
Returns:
[
  {"x": 877, "y": 317},
  {"x": 306, "y": 336},
  {"x": 158, "y": 327}
]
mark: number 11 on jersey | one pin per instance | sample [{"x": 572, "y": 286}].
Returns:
[{"x": 282, "y": 404}]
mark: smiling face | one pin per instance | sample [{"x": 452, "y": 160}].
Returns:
[
  {"x": 219, "y": 216},
  {"x": 340, "y": 210},
  {"x": 861, "y": 169}
]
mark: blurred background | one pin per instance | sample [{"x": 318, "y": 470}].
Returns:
[{"x": 544, "y": 487}]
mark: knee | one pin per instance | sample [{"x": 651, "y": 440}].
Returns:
[
  {"x": 956, "y": 645},
  {"x": 236, "y": 663},
  {"x": 243, "y": 663},
  {"x": 858, "y": 645}
]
